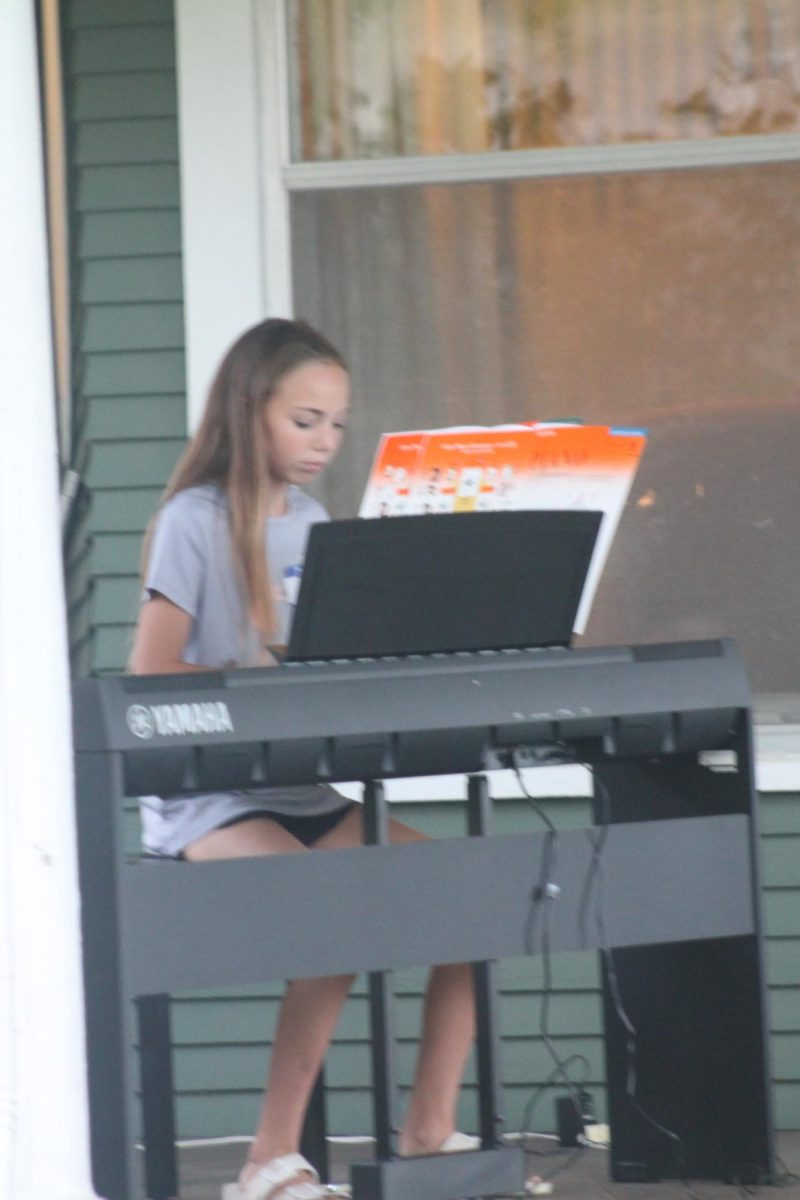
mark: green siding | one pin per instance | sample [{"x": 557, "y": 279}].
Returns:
[
  {"x": 348, "y": 1066},
  {"x": 786, "y": 1055},
  {"x": 127, "y": 293},
  {"x": 143, "y": 140},
  {"x": 124, "y": 417},
  {"x": 102, "y": 235},
  {"x": 783, "y": 961},
  {"x": 780, "y": 815},
  {"x": 135, "y": 280},
  {"x": 139, "y": 47},
  {"x": 115, "y": 600},
  {"x": 784, "y": 1017},
  {"x": 126, "y": 510},
  {"x": 782, "y": 862},
  {"x": 781, "y": 910},
  {"x": 125, "y": 95},
  {"x": 112, "y": 644},
  {"x": 100, "y": 189},
  {"x": 130, "y": 464},
  {"x": 137, "y": 373},
  {"x": 138, "y": 327},
  {"x": 115, "y": 554},
  {"x": 83, "y": 14}
]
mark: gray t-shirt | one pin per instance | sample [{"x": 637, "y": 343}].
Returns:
[{"x": 191, "y": 564}]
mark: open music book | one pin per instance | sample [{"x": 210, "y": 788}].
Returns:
[{"x": 532, "y": 465}]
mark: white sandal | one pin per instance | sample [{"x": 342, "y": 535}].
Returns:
[
  {"x": 454, "y": 1143},
  {"x": 279, "y": 1178},
  {"x": 457, "y": 1142}
]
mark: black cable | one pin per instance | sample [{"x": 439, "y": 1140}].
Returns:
[
  {"x": 597, "y": 838},
  {"x": 545, "y": 894},
  {"x": 542, "y": 1088}
]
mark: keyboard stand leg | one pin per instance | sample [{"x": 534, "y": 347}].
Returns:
[
  {"x": 314, "y": 1139},
  {"x": 158, "y": 1111},
  {"x": 479, "y": 820},
  {"x": 381, "y": 999}
]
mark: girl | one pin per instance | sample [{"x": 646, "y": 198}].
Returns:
[{"x": 220, "y": 563}]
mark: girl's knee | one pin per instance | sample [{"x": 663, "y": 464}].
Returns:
[
  {"x": 446, "y": 975},
  {"x": 319, "y": 984}
]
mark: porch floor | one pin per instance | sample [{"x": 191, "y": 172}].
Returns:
[{"x": 205, "y": 1168}]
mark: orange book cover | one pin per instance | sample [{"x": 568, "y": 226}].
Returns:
[
  {"x": 589, "y": 467},
  {"x": 532, "y": 465},
  {"x": 393, "y": 475},
  {"x": 470, "y": 470}
]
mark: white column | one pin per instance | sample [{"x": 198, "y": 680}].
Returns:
[
  {"x": 232, "y": 118},
  {"x": 43, "y": 1108},
  {"x": 233, "y": 123}
]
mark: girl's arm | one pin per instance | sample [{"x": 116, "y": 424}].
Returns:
[{"x": 160, "y": 639}]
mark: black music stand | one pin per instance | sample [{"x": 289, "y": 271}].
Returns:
[{"x": 442, "y": 583}]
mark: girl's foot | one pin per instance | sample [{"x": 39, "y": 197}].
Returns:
[
  {"x": 289, "y": 1177},
  {"x": 453, "y": 1143}
]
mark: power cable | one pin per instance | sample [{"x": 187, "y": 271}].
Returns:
[{"x": 544, "y": 896}]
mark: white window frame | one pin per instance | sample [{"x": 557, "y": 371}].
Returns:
[{"x": 237, "y": 178}]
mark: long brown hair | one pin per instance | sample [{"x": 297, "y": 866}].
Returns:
[{"x": 230, "y": 446}]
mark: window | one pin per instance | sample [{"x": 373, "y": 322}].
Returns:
[
  {"x": 380, "y": 79},
  {"x": 662, "y": 298}
]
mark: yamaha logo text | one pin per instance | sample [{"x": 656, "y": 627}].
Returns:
[{"x": 167, "y": 720}]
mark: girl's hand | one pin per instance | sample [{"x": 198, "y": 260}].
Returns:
[{"x": 266, "y": 658}]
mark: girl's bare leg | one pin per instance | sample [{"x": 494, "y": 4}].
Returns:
[
  {"x": 448, "y": 1026},
  {"x": 311, "y": 1009},
  {"x": 447, "y": 1034},
  {"x": 308, "y": 1017},
  {"x": 309, "y": 1012}
]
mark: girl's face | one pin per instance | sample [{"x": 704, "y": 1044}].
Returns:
[{"x": 304, "y": 419}]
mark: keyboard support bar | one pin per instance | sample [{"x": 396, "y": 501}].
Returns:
[{"x": 381, "y": 999}]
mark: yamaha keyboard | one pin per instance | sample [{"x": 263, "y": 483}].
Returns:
[
  {"x": 385, "y": 718},
  {"x": 680, "y": 884}
]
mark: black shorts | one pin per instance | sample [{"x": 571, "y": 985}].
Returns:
[{"x": 307, "y": 830}]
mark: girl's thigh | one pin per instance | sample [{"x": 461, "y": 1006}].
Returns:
[
  {"x": 350, "y": 832},
  {"x": 243, "y": 839}
]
